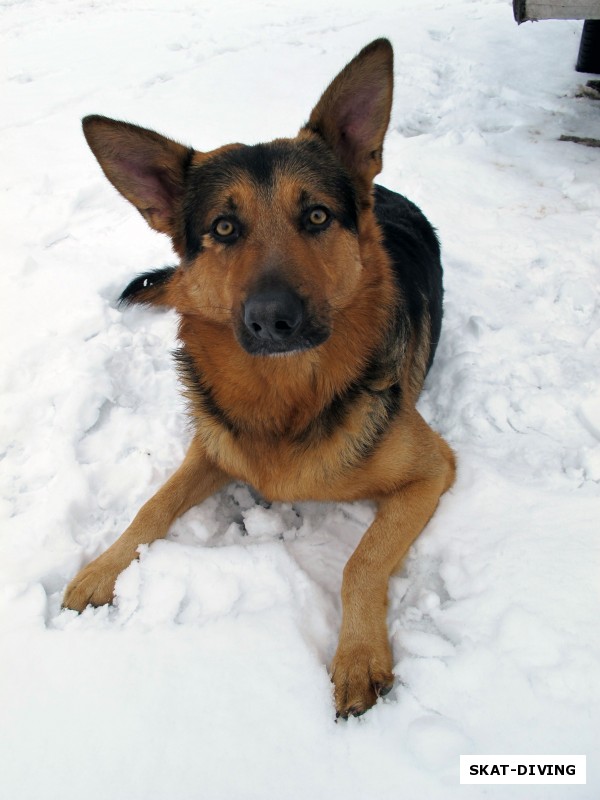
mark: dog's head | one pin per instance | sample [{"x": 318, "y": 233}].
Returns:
[{"x": 269, "y": 234}]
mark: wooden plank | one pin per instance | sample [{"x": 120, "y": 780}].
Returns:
[
  {"x": 556, "y": 9},
  {"x": 580, "y": 140}
]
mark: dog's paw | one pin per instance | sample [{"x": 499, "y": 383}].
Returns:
[
  {"x": 94, "y": 585},
  {"x": 360, "y": 674}
]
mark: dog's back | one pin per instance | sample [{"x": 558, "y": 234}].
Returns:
[{"x": 414, "y": 250}]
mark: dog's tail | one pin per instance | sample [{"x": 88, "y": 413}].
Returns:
[{"x": 148, "y": 288}]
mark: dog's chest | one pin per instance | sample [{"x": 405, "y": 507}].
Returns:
[
  {"x": 320, "y": 465},
  {"x": 277, "y": 469}
]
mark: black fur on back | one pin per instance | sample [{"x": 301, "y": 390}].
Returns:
[{"x": 414, "y": 249}]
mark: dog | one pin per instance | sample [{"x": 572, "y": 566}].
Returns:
[{"x": 310, "y": 308}]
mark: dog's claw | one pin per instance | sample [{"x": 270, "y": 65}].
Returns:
[{"x": 360, "y": 676}]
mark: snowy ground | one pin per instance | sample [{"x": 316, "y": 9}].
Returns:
[{"x": 208, "y": 678}]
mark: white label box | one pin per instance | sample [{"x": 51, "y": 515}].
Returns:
[{"x": 513, "y": 769}]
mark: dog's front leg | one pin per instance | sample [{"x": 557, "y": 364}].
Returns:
[
  {"x": 195, "y": 480},
  {"x": 362, "y": 666}
]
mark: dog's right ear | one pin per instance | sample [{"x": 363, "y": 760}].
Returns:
[{"x": 147, "y": 168}]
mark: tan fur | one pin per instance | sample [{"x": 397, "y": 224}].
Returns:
[{"x": 271, "y": 403}]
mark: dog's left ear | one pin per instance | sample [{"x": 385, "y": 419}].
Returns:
[{"x": 353, "y": 114}]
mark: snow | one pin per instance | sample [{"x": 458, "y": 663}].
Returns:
[{"x": 208, "y": 678}]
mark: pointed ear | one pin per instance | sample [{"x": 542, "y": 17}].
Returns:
[
  {"x": 147, "y": 168},
  {"x": 353, "y": 114}
]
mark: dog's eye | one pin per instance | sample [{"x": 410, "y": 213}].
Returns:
[
  {"x": 226, "y": 230},
  {"x": 224, "y": 227},
  {"x": 316, "y": 218}
]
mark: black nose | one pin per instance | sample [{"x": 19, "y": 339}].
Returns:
[{"x": 273, "y": 315}]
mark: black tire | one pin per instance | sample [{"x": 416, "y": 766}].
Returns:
[{"x": 589, "y": 47}]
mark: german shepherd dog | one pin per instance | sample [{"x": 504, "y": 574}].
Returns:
[{"x": 310, "y": 305}]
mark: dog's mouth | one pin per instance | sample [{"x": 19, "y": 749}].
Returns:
[
  {"x": 277, "y": 321},
  {"x": 268, "y": 347}
]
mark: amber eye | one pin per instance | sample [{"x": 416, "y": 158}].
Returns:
[
  {"x": 316, "y": 219},
  {"x": 318, "y": 216},
  {"x": 224, "y": 228}
]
